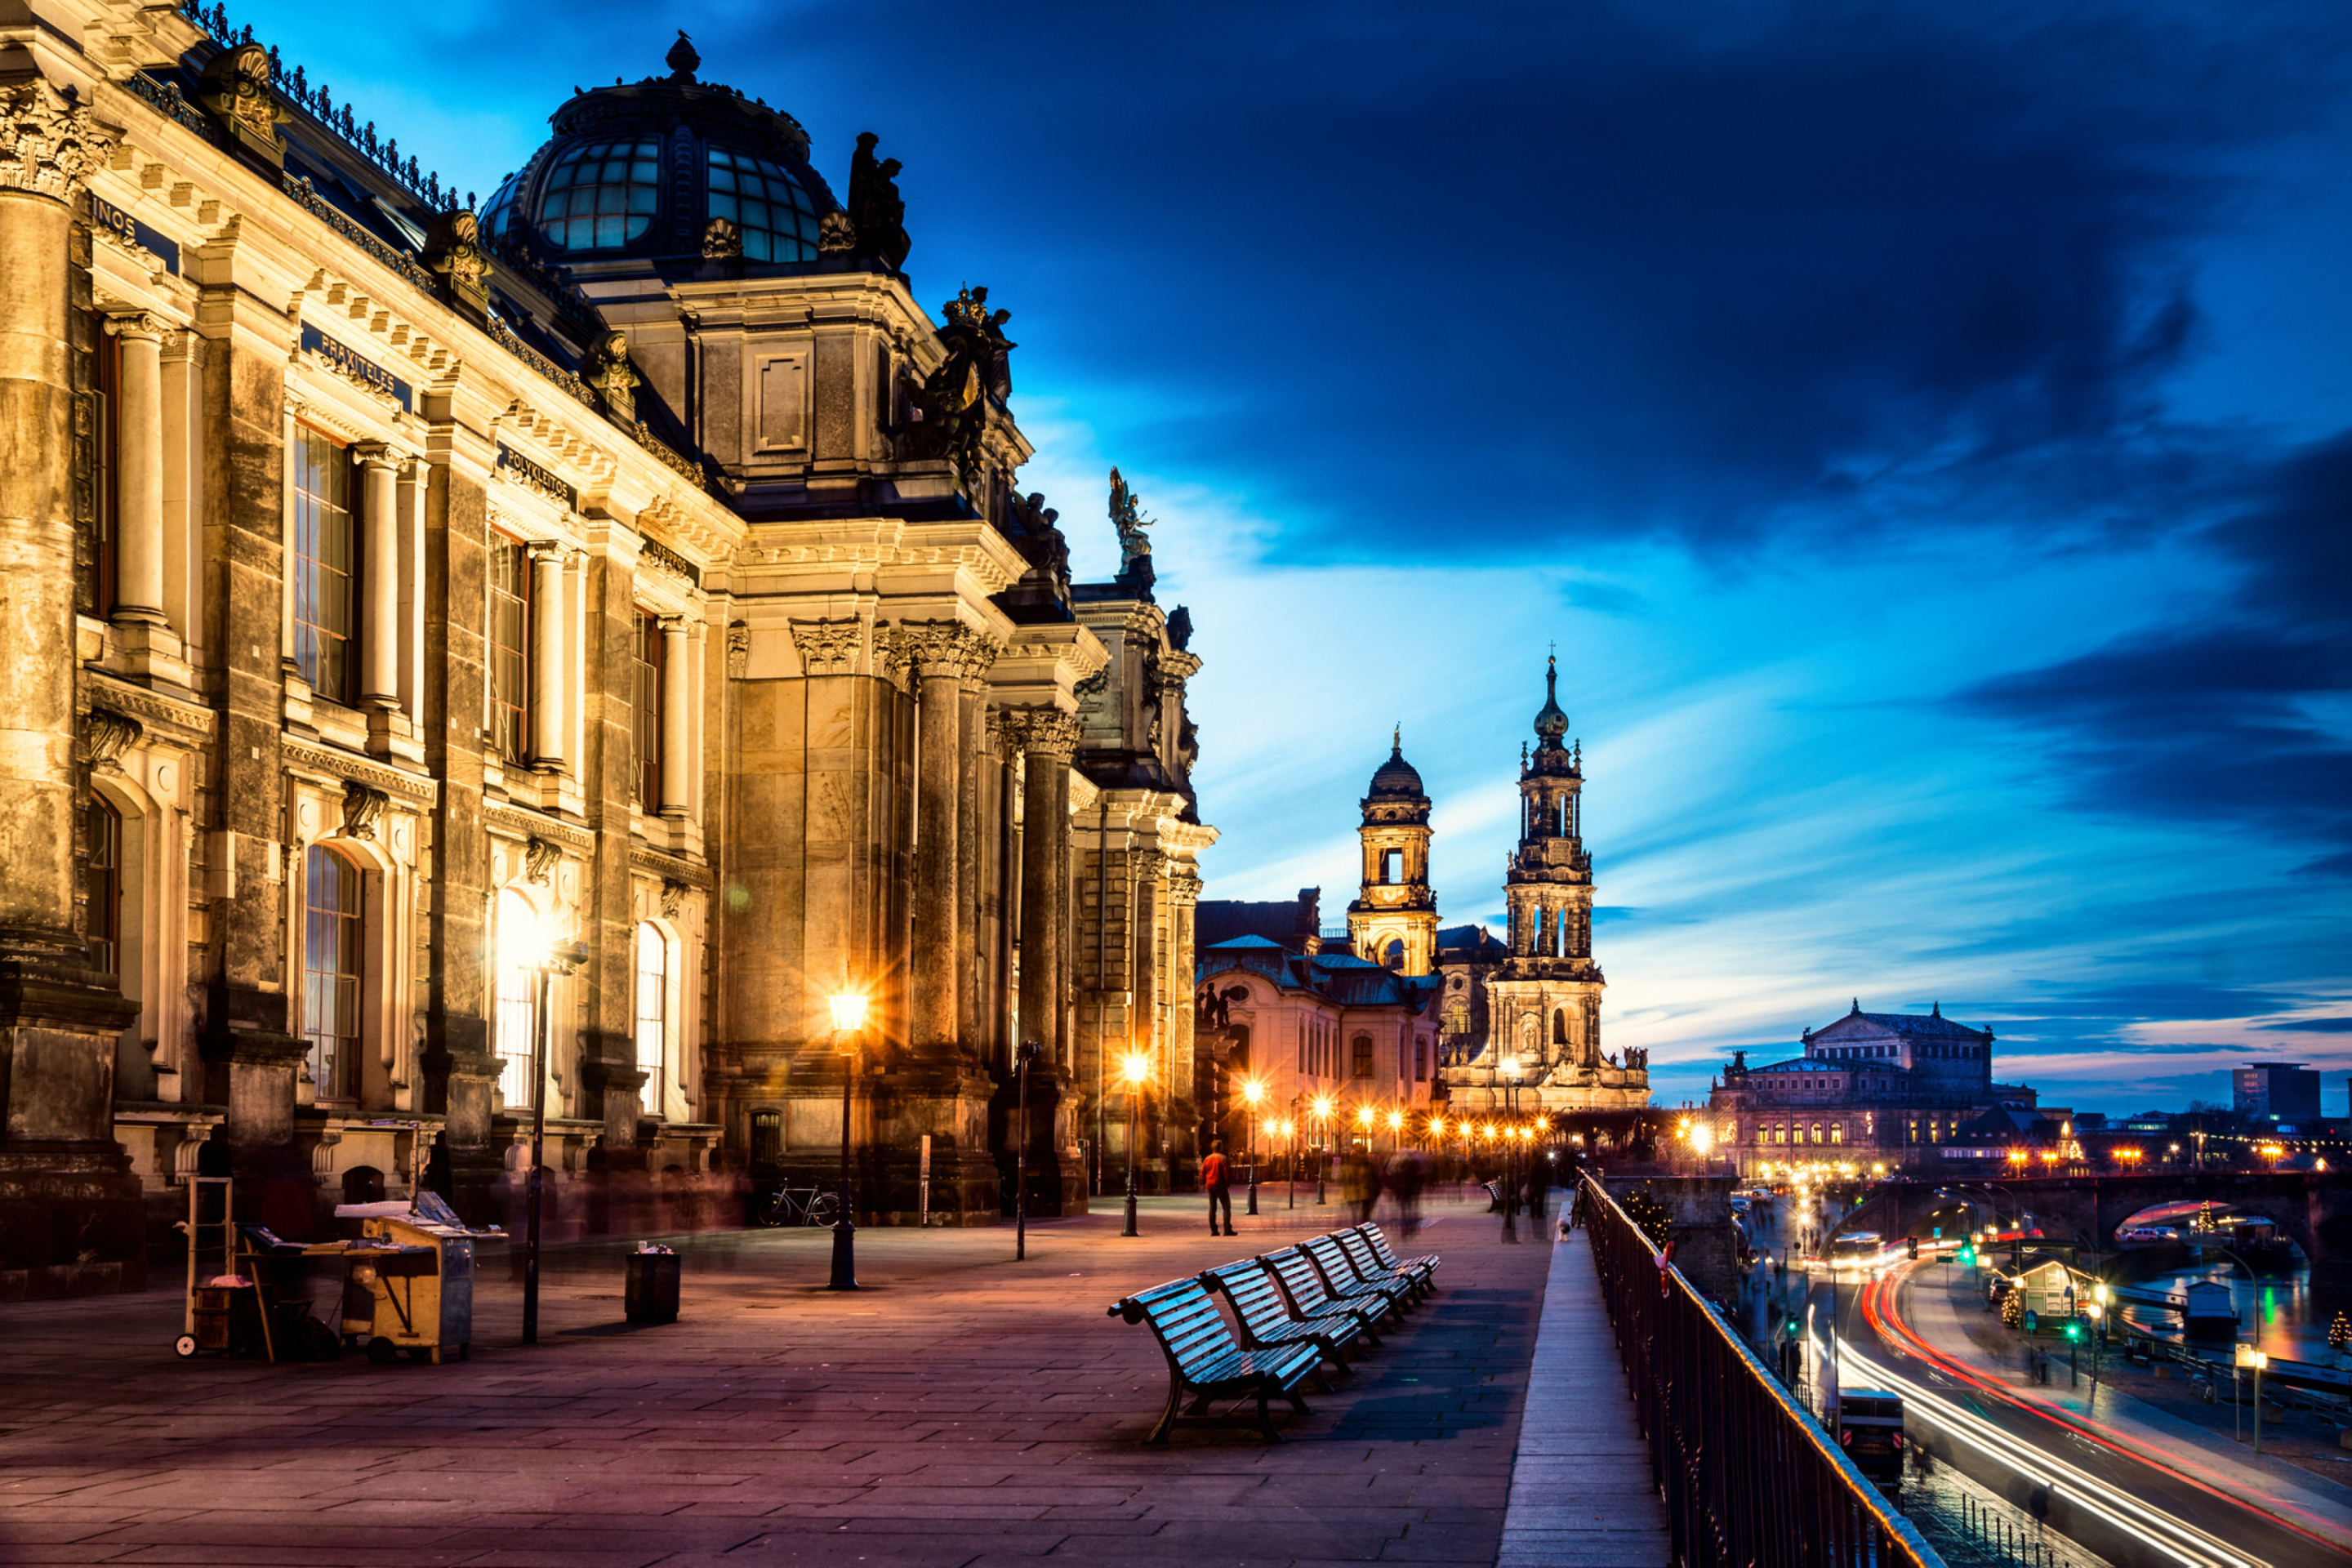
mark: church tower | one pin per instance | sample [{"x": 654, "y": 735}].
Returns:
[
  {"x": 1544, "y": 1003},
  {"x": 1393, "y": 920}
]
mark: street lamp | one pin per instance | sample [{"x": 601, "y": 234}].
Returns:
[
  {"x": 1138, "y": 1069},
  {"x": 1288, "y": 1130},
  {"x": 848, "y": 1017},
  {"x": 1252, "y": 1090},
  {"x": 1364, "y": 1115},
  {"x": 534, "y": 946},
  {"x": 1322, "y": 1109},
  {"x": 1027, "y": 1052}
]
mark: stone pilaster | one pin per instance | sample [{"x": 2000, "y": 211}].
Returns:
[
  {"x": 67, "y": 1203},
  {"x": 678, "y": 718},
  {"x": 1048, "y": 738},
  {"x": 547, "y": 624},
  {"x": 947, "y": 656}
]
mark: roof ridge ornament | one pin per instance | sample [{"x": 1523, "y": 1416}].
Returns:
[{"x": 682, "y": 60}]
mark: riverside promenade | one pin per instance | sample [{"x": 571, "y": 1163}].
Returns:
[{"x": 963, "y": 1410}]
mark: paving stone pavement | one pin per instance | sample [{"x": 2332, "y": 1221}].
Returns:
[
  {"x": 963, "y": 1411},
  {"x": 1581, "y": 1496}
]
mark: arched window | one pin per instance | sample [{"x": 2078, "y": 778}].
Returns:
[
  {"x": 1559, "y": 1026},
  {"x": 1837, "y": 1131},
  {"x": 103, "y": 882},
  {"x": 652, "y": 1014},
  {"x": 1420, "y": 1059},
  {"x": 1363, "y": 1048},
  {"x": 331, "y": 971},
  {"x": 1458, "y": 1017},
  {"x": 1394, "y": 956},
  {"x": 517, "y": 996},
  {"x": 1238, "y": 1053},
  {"x": 1816, "y": 1138},
  {"x": 601, "y": 194}
]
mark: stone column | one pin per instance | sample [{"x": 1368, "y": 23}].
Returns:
[
  {"x": 378, "y": 577},
  {"x": 678, "y": 718},
  {"x": 1048, "y": 738},
  {"x": 943, "y": 652},
  {"x": 139, "y": 472},
  {"x": 547, "y": 640},
  {"x": 70, "y": 1211}
]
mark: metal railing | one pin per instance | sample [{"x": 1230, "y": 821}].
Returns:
[{"x": 1748, "y": 1478}]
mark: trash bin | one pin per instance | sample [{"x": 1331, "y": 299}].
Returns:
[{"x": 652, "y": 1292}]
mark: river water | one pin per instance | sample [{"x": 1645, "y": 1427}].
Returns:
[{"x": 2275, "y": 1314}]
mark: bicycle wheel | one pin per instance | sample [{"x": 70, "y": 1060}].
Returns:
[{"x": 824, "y": 1209}]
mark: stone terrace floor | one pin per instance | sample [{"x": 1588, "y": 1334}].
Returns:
[{"x": 963, "y": 1410}]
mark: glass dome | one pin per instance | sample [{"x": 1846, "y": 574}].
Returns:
[
  {"x": 600, "y": 195},
  {"x": 637, "y": 172}
]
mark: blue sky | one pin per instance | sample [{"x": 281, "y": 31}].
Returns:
[{"x": 1927, "y": 437}]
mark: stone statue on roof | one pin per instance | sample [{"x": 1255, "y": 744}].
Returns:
[
  {"x": 1127, "y": 516},
  {"x": 875, "y": 209}
]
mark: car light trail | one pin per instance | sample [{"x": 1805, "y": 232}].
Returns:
[{"x": 2133, "y": 1519}]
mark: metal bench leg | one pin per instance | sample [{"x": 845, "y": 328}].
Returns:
[
  {"x": 1296, "y": 1404},
  {"x": 1265, "y": 1421},
  {"x": 1201, "y": 1406},
  {"x": 1168, "y": 1416}
]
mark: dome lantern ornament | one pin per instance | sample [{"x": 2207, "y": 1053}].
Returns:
[{"x": 1550, "y": 723}]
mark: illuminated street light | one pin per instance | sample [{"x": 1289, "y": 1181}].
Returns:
[
  {"x": 848, "y": 1008},
  {"x": 1252, "y": 1090},
  {"x": 1138, "y": 1069},
  {"x": 530, "y": 942}
]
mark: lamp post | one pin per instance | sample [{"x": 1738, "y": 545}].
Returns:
[
  {"x": 1511, "y": 1111},
  {"x": 1322, "y": 1109},
  {"x": 1023, "y": 1055},
  {"x": 1288, "y": 1130},
  {"x": 848, "y": 1018},
  {"x": 1138, "y": 1067},
  {"x": 1252, "y": 1090},
  {"x": 534, "y": 947},
  {"x": 1364, "y": 1118}
]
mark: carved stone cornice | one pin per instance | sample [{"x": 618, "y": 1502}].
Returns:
[
  {"x": 671, "y": 868},
  {"x": 829, "y": 648},
  {"x": 512, "y": 822},
  {"x": 49, "y": 146},
  {"x": 1046, "y": 733},
  {"x": 948, "y": 648},
  {"x": 107, "y": 734},
  {"x": 185, "y": 724},
  {"x": 351, "y": 770}
]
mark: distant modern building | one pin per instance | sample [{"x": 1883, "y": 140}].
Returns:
[
  {"x": 2275, "y": 1091},
  {"x": 1891, "y": 1089}
]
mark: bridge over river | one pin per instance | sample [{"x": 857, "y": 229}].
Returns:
[{"x": 2315, "y": 1208}]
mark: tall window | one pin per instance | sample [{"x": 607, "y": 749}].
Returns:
[
  {"x": 1420, "y": 1060},
  {"x": 646, "y": 717},
  {"x": 1363, "y": 1054},
  {"x": 108, "y": 351},
  {"x": 330, "y": 972},
  {"x": 517, "y": 998},
  {"x": 326, "y": 568},
  {"x": 103, "y": 884},
  {"x": 652, "y": 1013},
  {"x": 510, "y": 647}
]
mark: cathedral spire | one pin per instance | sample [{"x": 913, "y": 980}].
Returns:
[{"x": 1550, "y": 723}]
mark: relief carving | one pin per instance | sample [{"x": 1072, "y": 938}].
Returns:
[{"x": 829, "y": 648}]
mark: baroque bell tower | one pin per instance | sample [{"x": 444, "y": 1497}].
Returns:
[
  {"x": 1544, "y": 1004},
  {"x": 1393, "y": 920}
]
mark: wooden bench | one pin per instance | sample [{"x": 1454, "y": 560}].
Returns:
[
  {"x": 1309, "y": 1298},
  {"x": 1267, "y": 1320},
  {"x": 1348, "y": 1279},
  {"x": 1206, "y": 1360},
  {"x": 1423, "y": 1270}
]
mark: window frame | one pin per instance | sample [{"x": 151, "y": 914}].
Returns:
[
  {"x": 106, "y": 378},
  {"x": 102, "y": 885},
  {"x": 311, "y": 634},
  {"x": 651, "y": 1095},
  {"x": 335, "y": 1054},
  {"x": 515, "y": 1008},
  {"x": 508, "y": 710},
  {"x": 1362, "y": 1057},
  {"x": 648, "y": 658}
]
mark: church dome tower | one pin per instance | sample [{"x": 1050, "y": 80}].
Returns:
[{"x": 1393, "y": 920}]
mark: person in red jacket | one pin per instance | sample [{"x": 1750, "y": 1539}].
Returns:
[{"x": 1217, "y": 1175}]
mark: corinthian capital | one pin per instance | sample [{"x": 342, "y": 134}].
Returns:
[
  {"x": 829, "y": 648},
  {"x": 48, "y": 143},
  {"x": 1046, "y": 733},
  {"x": 948, "y": 648}
]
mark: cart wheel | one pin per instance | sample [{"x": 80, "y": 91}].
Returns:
[
  {"x": 185, "y": 1345},
  {"x": 381, "y": 1351}
]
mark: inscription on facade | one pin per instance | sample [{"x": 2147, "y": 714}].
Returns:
[
  {"x": 105, "y": 214},
  {"x": 349, "y": 361},
  {"x": 527, "y": 473}
]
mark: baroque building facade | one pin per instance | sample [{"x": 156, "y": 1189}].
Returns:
[
  {"x": 399, "y": 587},
  {"x": 1900, "y": 1090}
]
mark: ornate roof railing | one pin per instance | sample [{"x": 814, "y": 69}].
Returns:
[{"x": 319, "y": 105}]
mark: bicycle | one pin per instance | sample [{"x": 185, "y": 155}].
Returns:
[{"x": 802, "y": 1205}]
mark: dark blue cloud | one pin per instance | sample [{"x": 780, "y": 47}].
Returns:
[
  {"x": 2339, "y": 1025},
  {"x": 1575, "y": 268},
  {"x": 2223, "y": 719}
]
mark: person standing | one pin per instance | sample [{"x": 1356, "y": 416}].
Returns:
[{"x": 1217, "y": 1175}]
